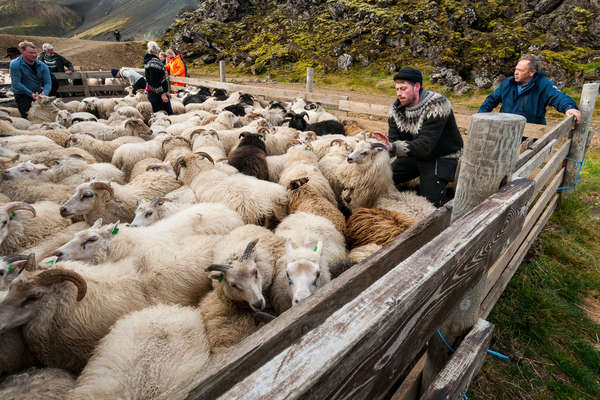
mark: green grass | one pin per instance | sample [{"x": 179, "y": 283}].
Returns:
[{"x": 540, "y": 319}]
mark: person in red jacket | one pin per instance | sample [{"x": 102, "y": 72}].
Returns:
[{"x": 175, "y": 67}]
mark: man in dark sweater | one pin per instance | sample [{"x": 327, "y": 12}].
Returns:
[
  {"x": 424, "y": 136},
  {"x": 56, "y": 63},
  {"x": 156, "y": 79}
]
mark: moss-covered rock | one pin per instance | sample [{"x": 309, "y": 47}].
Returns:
[{"x": 478, "y": 39}]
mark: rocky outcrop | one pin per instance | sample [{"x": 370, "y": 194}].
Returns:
[{"x": 469, "y": 46}]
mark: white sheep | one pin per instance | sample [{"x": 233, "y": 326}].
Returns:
[
  {"x": 207, "y": 141},
  {"x": 148, "y": 212},
  {"x": 127, "y": 155},
  {"x": 102, "y": 150},
  {"x": 37, "y": 384},
  {"x": 24, "y": 225},
  {"x": 314, "y": 245}
]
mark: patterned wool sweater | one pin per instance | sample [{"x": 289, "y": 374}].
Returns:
[{"x": 429, "y": 127}]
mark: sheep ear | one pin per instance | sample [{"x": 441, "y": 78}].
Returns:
[
  {"x": 97, "y": 223},
  {"x": 216, "y": 275},
  {"x": 318, "y": 248},
  {"x": 112, "y": 229}
]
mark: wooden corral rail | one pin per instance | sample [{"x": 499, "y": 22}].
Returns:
[
  {"x": 363, "y": 332},
  {"x": 85, "y": 88}
]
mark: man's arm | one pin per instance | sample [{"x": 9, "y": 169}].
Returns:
[
  {"x": 562, "y": 102},
  {"x": 47, "y": 80},
  {"x": 68, "y": 64},
  {"x": 491, "y": 101},
  {"x": 16, "y": 77},
  {"x": 422, "y": 146}
]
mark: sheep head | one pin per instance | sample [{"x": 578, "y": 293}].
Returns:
[
  {"x": 8, "y": 214},
  {"x": 24, "y": 170},
  {"x": 366, "y": 151},
  {"x": 137, "y": 127},
  {"x": 87, "y": 197},
  {"x": 22, "y": 302},
  {"x": 148, "y": 212},
  {"x": 11, "y": 267},
  {"x": 88, "y": 245},
  {"x": 303, "y": 269},
  {"x": 189, "y": 166},
  {"x": 240, "y": 278}
]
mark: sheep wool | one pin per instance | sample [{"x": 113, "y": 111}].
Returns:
[{"x": 373, "y": 225}]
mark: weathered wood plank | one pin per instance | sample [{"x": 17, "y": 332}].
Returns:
[
  {"x": 409, "y": 389},
  {"x": 88, "y": 74},
  {"x": 454, "y": 380},
  {"x": 86, "y": 89},
  {"x": 372, "y": 340},
  {"x": 579, "y": 143},
  {"x": 556, "y": 133},
  {"x": 364, "y": 108},
  {"x": 257, "y": 349},
  {"x": 549, "y": 170},
  {"x": 91, "y": 88},
  {"x": 507, "y": 274},
  {"x": 534, "y": 162},
  {"x": 530, "y": 131},
  {"x": 532, "y": 217},
  {"x": 328, "y": 100}
]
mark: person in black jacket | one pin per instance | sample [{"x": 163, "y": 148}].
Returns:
[
  {"x": 55, "y": 63},
  {"x": 156, "y": 79},
  {"x": 424, "y": 136}
]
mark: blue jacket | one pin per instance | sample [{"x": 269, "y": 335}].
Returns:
[
  {"x": 24, "y": 81},
  {"x": 532, "y": 102}
]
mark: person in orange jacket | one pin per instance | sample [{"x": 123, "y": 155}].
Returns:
[{"x": 175, "y": 66}]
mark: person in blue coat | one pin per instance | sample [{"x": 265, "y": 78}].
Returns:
[
  {"x": 29, "y": 77},
  {"x": 528, "y": 93}
]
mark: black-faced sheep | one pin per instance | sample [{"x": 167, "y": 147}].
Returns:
[
  {"x": 250, "y": 156},
  {"x": 328, "y": 127}
]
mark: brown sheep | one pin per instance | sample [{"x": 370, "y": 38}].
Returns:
[
  {"x": 375, "y": 225},
  {"x": 250, "y": 156},
  {"x": 306, "y": 198}
]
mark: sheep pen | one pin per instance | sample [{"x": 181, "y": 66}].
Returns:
[{"x": 317, "y": 203}]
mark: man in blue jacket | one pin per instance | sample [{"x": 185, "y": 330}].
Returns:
[
  {"x": 528, "y": 93},
  {"x": 29, "y": 77}
]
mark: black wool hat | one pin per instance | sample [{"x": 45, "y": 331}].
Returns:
[
  {"x": 11, "y": 51},
  {"x": 409, "y": 74},
  {"x": 114, "y": 72}
]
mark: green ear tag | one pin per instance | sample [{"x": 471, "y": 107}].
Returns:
[
  {"x": 212, "y": 134},
  {"x": 10, "y": 268},
  {"x": 49, "y": 262},
  {"x": 115, "y": 231},
  {"x": 221, "y": 277},
  {"x": 316, "y": 248},
  {"x": 259, "y": 137},
  {"x": 184, "y": 164},
  {"x": 307, "y": 148},
  {"x": 13, "y": 213}
]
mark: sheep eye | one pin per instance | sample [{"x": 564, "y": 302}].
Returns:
[
  {"x": 148, "y": 214},
  {"x": 318, "y": 274},
  {"x": 87, "y": 195},
  {"x": 233, "y": 285},
  {"x": 3, "y": 223},
  {"x": 1, "y": 272},
  {"x": 289, "y": 279},
  {"x": 256, "y": 273},
  {"x": 35, "y": 295}
]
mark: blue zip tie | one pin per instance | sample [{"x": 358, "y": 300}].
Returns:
[
  {"x": 494, "y": 353},
  {"x": 579, "y": 165},
  {"x": 465, "y": 397}
]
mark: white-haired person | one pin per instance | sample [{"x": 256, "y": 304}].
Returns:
[
  {"x": 157, "y": 84},
  {"x": 55, "y": 63},
  {"x": 132, "y": 77}
]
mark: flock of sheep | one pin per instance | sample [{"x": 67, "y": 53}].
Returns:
[{"x": 135, "y": 247}]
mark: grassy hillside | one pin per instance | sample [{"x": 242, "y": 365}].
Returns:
[{"x": 33, "y": 17}]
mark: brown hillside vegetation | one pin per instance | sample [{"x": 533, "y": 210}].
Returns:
[{"x": 88, "y": 54}]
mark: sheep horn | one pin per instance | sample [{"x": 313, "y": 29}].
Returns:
[
  {"x": 159, "y": 200},
  {"x": 154, "y": 167},
  {"x": 205, "y": 155},
  {"x": 264, "y": 316},
  {"x": 293, "y": 142},
  {"x": 218, "y": 267},
  {"x": 104, "y": 186},
  {"x": 264, "y": 131},
  {"x": 18, "y": 205},
  {"x": 376, "y": 145},
  {"x": 249, "y": 249},
  {"x": 87, "y": 133},
  {"x": 51, "y": 276},
  {"x": 79, "y": 156},
  {"x": 165, "y": 141},
  {"x": 340, "y": 141}
]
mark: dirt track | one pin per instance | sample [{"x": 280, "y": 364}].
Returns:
[{"x": 88, "y": 54}]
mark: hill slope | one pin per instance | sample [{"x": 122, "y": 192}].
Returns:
[
  {"x": 478, "y": 40},
  {"x": 35, "y": 17}
]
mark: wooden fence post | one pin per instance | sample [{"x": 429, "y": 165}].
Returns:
[
  {"x": 488, "y": 162},
  {"x": 582, "y": 137},
  {"x": 310, "y": 75},
  {"x": 86, "y": 89},
  {"x": 222, "y": 71}
]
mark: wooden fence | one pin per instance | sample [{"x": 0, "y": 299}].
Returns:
[
  {"x": 85, "y": 88},
  {"x": 363, "y": 333}
]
